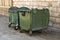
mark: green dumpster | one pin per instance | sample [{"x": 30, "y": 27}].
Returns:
[
  {"x": 34, "y": 19},
  {"x": 13, "y": 17}
]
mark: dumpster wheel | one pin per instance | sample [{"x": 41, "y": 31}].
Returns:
[
  {"x": 16, "y": 27},
  {"x": 9, "y": 25},
  {"x": 30, "y": 32},
  {"x": 40, "y": 31},
  {"x": 21, "y": 30}
]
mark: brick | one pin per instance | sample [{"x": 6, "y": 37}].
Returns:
[{"x": 58, "y": 20}]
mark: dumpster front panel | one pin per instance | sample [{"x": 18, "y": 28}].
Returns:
[
  {"x": 25, "y": 21},
  {"x": 39, "y": 20},
  {"x": 13, "y": 17},
  {"x": 36, "y": 20},
  {"x": 45, "y": 19},
  {"x": 10, "y": 17}
]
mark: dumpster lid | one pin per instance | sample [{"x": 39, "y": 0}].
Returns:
[
  {"x": 34, "y": 10},
  {"x": 24, "y": 9},
  {"x": 13, "y": 8},
  {"x": 45, "y": 9}
]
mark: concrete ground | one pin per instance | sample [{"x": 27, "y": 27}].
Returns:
[{"x": 7, "y": 33}]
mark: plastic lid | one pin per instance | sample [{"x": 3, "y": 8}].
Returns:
[
  {"x": 24, "y": 9},
  {"x": 13, "y": 8}
]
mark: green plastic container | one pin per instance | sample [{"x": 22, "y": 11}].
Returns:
[
  {"x": 34, "y": 20},
  {"x": 13, "y": 17}
]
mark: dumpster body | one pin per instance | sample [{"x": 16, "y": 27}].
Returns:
[
  {"x": 36, "y": 19},
  {"x": 13, "y": 16}
]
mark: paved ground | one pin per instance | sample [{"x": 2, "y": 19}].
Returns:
[{"x": 10, "y": 34}]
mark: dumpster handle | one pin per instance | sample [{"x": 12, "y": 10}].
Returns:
[{"x": 23, "y": 13}]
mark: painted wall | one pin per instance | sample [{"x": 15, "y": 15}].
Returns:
[{"x": 4, "y": 5}]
